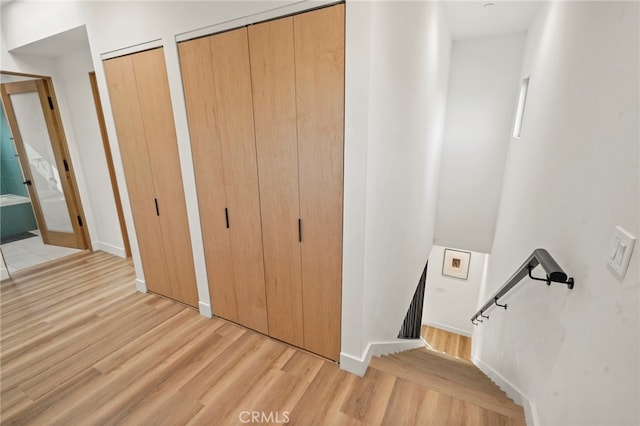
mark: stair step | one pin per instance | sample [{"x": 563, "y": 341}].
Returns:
[
  {"x": 469, "y": 378},
  {"x": 451, "y": 376},
  {"x": 460, "y": 368}
]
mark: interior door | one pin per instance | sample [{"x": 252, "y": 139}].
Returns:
[
  {"x": 319, "y": 53},
  {"x": 141, "y": 105},
  {"x": 274, "y": 102},
  {"x": 217, "y": 81},
  {"x": 44, "y": 163}
]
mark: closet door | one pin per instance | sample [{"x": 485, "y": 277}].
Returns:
[
  {"x": 127, "y": 114},
  {"x": 197, "y": 79},
  {"x": 155, "y": 100},
  {"x": 231, "y": 117},
  {"x": 319, "y": 59},
  {"x": 273, "y": 74},
  {"x": 145, "y": 127}
]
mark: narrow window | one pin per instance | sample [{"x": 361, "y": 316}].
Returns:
[{"x": 517, "y": 128}]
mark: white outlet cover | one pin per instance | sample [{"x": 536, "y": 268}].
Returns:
[{"x": 620, "y": 251}]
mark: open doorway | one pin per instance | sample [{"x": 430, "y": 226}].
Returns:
[{"x": 42, "y": 218}]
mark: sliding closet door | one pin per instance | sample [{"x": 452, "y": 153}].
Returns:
[
  {"x": 141, "y": 104},
  {"x": 319, "y": 56},
  {"x": 273, "y": 73},
  {"x": 225, "y": 59},
  {"x": 127, "y": 114}
]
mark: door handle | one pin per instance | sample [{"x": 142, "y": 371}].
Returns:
[
  {"x": 27, "y": 182},
  {"x": 157, "y": 209},
  {"x": 226, "y": 216}
]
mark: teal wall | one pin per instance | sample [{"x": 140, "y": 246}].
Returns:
[
  {"x": 10, "y": 173},
  {"x": 16, "y": 220}
]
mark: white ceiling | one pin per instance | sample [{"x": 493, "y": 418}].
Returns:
[
  {"x": 469, "y": 19},
  {"x": 59, "y": 44}
]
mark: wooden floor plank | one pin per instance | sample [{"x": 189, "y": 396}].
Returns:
[
  {"x": 79, "y": 345},
  {"x": 447, "y": 342}
]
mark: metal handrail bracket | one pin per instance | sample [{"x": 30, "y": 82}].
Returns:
[{"x": 553, "y": 271}]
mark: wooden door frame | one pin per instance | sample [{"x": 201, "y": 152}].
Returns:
[
  {"x": 46, "y": 94},
  {"x": 109, "y": 158}
]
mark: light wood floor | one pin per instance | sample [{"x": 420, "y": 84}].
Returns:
[
  {"x": 447, "y": 342},
  {"x": 80, "y": 346}
]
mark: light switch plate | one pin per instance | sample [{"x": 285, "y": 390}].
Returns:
[{"x": 620, "y": 251}]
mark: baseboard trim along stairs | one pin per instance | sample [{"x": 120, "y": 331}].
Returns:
[
  {"x": 358, "y": 365},
  {"x": 512, "y": 392}
]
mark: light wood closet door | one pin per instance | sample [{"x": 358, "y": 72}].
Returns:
[
  {"x": 231, "y": 117},
  {"x": 127, "y": 114},
  {"x": 234, "y": 104},
  {"x": 169, "y": 244},
  {"x": 319, "y": 58},
  {"x": 197, "y": 79},
  {"x": 273, "y": 75},
  {"x": 155, "y": 100}
]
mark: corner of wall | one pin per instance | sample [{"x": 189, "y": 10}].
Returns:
[
  {"x": 108, "y": 248},
  {"x": 356, "y": 365},
  {"x": 205, "y": 309},
  {"x": 141, "y": 286}
]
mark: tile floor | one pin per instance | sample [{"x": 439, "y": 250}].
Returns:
[{"x": 30, "y": 252}]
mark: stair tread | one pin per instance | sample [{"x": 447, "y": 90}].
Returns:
[
  {"x": 449, "y": 375},
  {"x": 454, "y": 365},
  {"x": 473, "y": 379}
]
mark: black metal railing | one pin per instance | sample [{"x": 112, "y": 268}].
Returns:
[
  {"x": 554, "y": 274},
  {"x": 412, "y": 324}
]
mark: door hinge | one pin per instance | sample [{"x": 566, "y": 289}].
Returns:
[
  {"x": 50, "y": 102},
  {"x": 79, "y": 221},
  {"x": 66, "y": 165}
]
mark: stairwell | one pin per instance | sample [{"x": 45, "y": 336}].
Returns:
[{"x": 433, "y": 379}]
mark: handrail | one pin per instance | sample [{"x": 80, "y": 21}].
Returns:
[{"x": 540, "y": 257}]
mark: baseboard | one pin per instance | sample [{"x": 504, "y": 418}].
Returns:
[
  {"x": 447, "y": 328},
  {"x": 205, "y": 309},
  {"x": 141, "y": 286},
  {"x": 530, "y": 413},
  {"x": 108, "y": 248},
  {"x": 358, "y": 365}
]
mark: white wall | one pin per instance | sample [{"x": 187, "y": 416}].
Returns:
[
  {"x": 83, "y": 136},
  {"x": 450, "y": 302},
  {"x": 356, "y": 130},
  {"x": 410, "y": 49},
  {"x": 570, "y": 179},
  {"x": 481, "y": 102}
]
